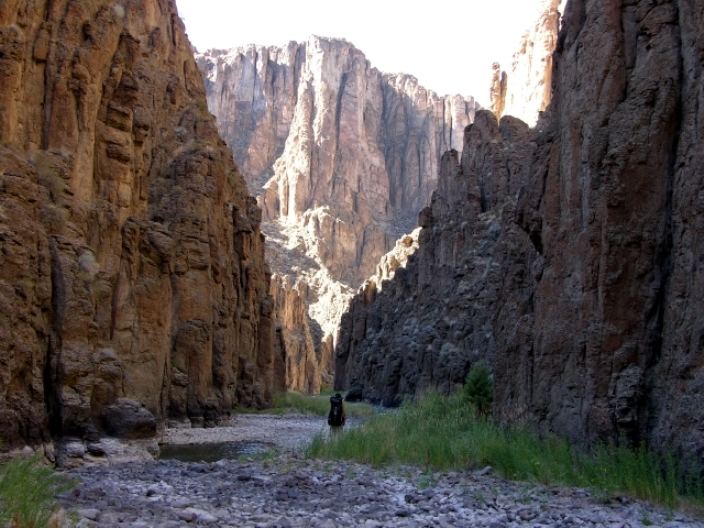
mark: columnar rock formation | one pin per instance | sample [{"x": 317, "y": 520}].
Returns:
[
  {"x": 296, "y": 365},
  {"x": 524, "y": 90},
  {"x": 569, "y": 256},
  {"x": 435, "y": 317},
  {"x": 133, "y": 287},
  {"x": 342, "y": 156}
]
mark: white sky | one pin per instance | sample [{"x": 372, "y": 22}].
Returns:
[{"x": 448, "y": 45}]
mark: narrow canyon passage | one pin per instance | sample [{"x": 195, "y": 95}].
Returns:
[{"x": 200, "y": 244}]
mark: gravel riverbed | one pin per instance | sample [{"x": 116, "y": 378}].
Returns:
[
  {"x": 285, "y": 432},
  {"x": 283, "y": 489}
]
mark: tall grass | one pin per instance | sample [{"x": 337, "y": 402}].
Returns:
[
  {"x": 442, "y": 432},
  {"x": 27, "y": 493},
  {"x": 295, "y": 402}
]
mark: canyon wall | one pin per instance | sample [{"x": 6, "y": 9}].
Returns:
[
  {"x": 523, "y": 91},
  {"x": 341, "y": 156},
  {"x": 133, "y": 288},
  {"x": 435, "y": 317},
  {"x": 570, "y": 255},
  {"x": 297, "y": 365}
]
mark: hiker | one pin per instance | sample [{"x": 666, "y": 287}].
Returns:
[{"x": 336, "y": 418}]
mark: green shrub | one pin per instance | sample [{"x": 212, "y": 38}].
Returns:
[
  {"x": 441, "y": 432},
  {"x": 27, "y": 492},
  {"x": 479, "y": 388}
]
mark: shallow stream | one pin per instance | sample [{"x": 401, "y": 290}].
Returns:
[{"x": 213, "y": 451}]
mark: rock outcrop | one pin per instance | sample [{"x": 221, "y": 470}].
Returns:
[
  {"x": 341, "y": 156},
  {"x": 570, "y": 255},
  {"x": 434, "y": 318},
  {"x": 397, "y": 258},
  {"x": 524, "y": 90},
  {"x": 133, "y": 288},
  {"x": 296, "y": 363}
]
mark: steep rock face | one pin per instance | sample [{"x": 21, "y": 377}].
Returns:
[
  {"x": 132, "y": 274},
  {"x": 524, "y": 90},
  {"x": 395, "y": 259},
  {"x": 435, "y": 317},
  {"x": 589, "y": 284},
  {"x": 611, "y": 312},
  {"x": 342, "y": 156},
  {"x": 296, "y": 365}
]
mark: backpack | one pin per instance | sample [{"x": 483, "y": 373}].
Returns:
[{"x": 336, "y": 416}]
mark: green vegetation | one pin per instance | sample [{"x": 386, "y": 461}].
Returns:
[
  {"x": 478, "y": 388},
  {"x": 295, "y": 402},
  {"x": 27, "y": 493},
  {"x": 441, "y": 432}
]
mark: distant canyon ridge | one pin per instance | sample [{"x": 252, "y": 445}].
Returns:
[{"x": 342, "y": 158}]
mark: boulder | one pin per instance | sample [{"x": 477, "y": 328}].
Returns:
[{"x": 128, "y": 419}]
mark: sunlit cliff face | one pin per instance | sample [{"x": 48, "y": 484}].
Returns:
[
  {"x": 523, "y": 88},
  {"x": 341, "y": 156}
]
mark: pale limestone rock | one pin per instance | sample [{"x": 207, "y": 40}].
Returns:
[
  {"x": 296, "y": 365},
  {"x": 342, "y": 157},
  {"x": 524, "y": 90},
  {"x": 394, "y": 259}
]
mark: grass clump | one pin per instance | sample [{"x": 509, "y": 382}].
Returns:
[
  {"x": 443, "y": 433},
  {"x": 28, "y": 492},
  {"x": 316, "y": 405}
]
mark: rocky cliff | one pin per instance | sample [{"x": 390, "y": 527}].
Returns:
[
  {"x": 569, "y": 255},
  {"x": 341, "y": 156},
  {"x": 133, "y": 287},
  {"x": 434, "y": 318},
  {"x": 523, "y": 91},
  {"x": 297, "y": 365}
]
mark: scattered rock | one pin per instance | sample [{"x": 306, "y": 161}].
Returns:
[
  {"x": 302, "y": 493},
  {"x": 128, "y": 419},
  {"x": 484, "y": 471}
]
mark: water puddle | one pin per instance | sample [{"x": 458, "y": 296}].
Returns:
[{"x": 212, "y": 452}]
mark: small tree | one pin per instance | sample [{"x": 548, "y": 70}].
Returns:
[{"x": 479, "y": 388}]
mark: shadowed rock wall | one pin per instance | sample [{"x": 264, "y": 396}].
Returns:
[{"x": 569, "y": 255}]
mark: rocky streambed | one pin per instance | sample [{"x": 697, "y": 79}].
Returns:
[{"x": 275, "y": 486}]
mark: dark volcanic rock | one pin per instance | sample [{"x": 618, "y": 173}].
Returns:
[
  {"x": 131, "y": 262},
  {"x": 435, "y": 317},
  {"x": 570, "y": 256},
  {"x": 128, "y": 419}
]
